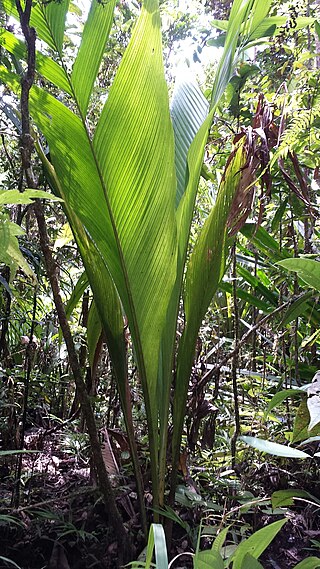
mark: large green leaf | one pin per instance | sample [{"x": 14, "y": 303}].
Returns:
[
  {"x": 208, "y": 560},
  {"x": 97, "y": 274},
  {"x": 94, "y": 37},
  {"x": 110, "y": 316},
  {"x": 189, "y": 108},
  {"x": 184, "y": 214},
  {"x": 260, "y": 11},
  {"x": 134, "y": 146},
  {"x": 48, "y": 18},
  {"x": 121, "y": 189},
  {"x": 239, "y": 13},
  {"x": 156, "y": 543},
  {"x": 207, "y": 262},
  {"x": 54, "y": 16},
  {"x": 256, "y": 543},
  {"x": 307, "y": 269},
  {"x": 205, "y": 269},
  {"x": 274, "y": 448},
  {"x": 49, "y": 25},
  {"x": 119, "y": 192},
  {"x": 44, "y": 64}
]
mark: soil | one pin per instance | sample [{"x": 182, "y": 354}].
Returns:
[{"x": 61, "y": 523}]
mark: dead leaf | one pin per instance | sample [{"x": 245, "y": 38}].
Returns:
[{"x": 108, "y": 455}]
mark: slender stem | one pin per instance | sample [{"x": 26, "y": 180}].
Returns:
[
  {"x": 4, "y": 349},
  {"x": 254, "y": 320},
  {"x": 29, "y": 361},
  {"x": 211, "y": 373},
  {"x": 235, "y": 359},
  {"x": 104, "y": 483}
]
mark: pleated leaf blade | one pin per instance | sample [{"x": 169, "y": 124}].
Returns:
[
  {"x": 134, "y": 146},
  {"x": 189, "y": 109},
  {"x": 94, "y": 38},
  {"x": 48, "y": 19},
  {"x": 44, "y": 64}
]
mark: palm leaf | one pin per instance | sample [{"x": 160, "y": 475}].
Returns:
[
  {"x": 121, "y": 189},
  {"x": 90, "y": 53},
  {"x": 48, "y": 18},
  {"x": 108, "y": 307},
  {"x": 119, "y": 193},
  {"x": 134, "y": 145},
  {"x": 189, "y": 109},
  {"x": 204, "y": 272},
  {"x": 239, "y": 14},
  {"x": 44, "y": 65}
]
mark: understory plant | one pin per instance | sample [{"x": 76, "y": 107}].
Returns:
[
  {"x": 129, "y": 188},
  {"x": 245, "y": 555}
]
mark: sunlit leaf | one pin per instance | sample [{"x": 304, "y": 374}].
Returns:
[
  {"x": 274, "y": 448},
  {"x": 93, "y": 41},
  {"x": 281, "y": 396},
  {"x": 26, "y": 197},
  {"x": 157, "y": 543},
  {"x": 46, "y": 66},
  {"x": 48, "y": 18},
  {"x": 313, "y": 402},
  {"x": 189, "y": 109}
]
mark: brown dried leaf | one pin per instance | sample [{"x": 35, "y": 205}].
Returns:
[{"x": 108, "y": 454}]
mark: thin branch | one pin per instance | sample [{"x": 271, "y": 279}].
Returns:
[
  {"x": 209, "y": 374},
  {"x": 235, "y": 359}
]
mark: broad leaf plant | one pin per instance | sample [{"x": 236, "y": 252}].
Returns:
[{"x": 129, "y": 194}]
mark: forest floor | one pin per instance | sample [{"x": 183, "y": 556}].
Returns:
[{"x": 61, "y": 523}]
